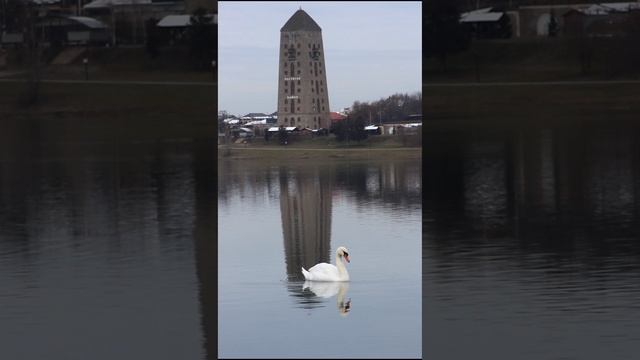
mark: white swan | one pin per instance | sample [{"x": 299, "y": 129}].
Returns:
[{"x": 328, "y": 272}]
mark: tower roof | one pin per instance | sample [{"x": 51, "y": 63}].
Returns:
[{"x": 300, "y": 20}]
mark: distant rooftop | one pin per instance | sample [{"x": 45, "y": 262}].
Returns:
[
  {"x": 301, "y": 21},
  {"x": 182, "y": 20},
  {"x": 481, "y": 15}
]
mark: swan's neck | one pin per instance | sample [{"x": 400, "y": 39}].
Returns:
[{"x": 342, "y": 270}]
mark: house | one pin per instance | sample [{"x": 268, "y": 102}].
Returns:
[
  {"x": 336, "y": 117},
  {"x": 175, "y": 27},
  {"x": 127, "y": 18},
  {"x": 65, "y": 30},
  {"x": 485, "y": 24},
  {"x": 373, "y": 129},
  {"x": 601, "y": 20}
]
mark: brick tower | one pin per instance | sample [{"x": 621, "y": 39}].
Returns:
[{"x": 303, "y": 99}]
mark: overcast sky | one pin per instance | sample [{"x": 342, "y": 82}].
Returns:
[{"x": 372, "y": 50}]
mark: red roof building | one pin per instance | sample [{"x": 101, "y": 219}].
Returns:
[{"x": 335, "y": 117}]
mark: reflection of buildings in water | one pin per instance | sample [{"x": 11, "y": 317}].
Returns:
[
  {"x": 560, "y": 179},
  {"x": 536, "y": 172},
  {"x": 393, "y": 181},
  {"x": 609, "y": 186},
  {"x": 248, "y": 180},
  {"x": 485, "y": 195},
  {"x": 305, "y": 205},
  {"x": 205, "y": 246}
]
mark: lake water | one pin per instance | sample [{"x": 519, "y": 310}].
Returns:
[
  {"x": 532, "y": 242},
  {"x": 107, "y": 251},
  {"x": 275, "y": 217}
]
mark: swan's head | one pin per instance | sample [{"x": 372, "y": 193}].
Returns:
[{"x": 342, "y": 252}]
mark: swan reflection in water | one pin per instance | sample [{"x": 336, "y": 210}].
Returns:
[{"x": 328, "y": 289}]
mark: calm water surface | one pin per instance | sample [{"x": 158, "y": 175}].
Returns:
[
  {"x": 532, "y": 243},
  {"x": 107, "y": 252},
  {"x": 275, "y": 218}
]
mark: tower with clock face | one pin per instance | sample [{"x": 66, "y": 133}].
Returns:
[{"x": 303, "y": 99}]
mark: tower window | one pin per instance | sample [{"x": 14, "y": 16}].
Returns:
[
  {"x": 298, "y": 46},
  {"x": 298, "y": 62},
  {"x": 286, "y": 101},
  {"x": 298, "y": 100},
  {"x": 323, "y": 108},
  {"x": 298, "y": 80},
  {"x": 298, "y": 119},
  {"x": 286, "y": 73},
  {"x": 292, "y": 119},
  {"x": 322, "y": 100},
  {"x": 298, "y": 89}
]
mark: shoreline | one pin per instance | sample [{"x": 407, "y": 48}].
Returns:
[{"x": 302, "y": 153}]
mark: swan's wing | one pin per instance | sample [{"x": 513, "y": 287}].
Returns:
[{"x": 324, "y": 272}]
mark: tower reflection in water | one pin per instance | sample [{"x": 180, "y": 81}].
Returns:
[{"x": 305, "y": 208}]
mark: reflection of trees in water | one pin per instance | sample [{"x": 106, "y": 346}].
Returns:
[
  {"x": 395, "y": 183},
  {"x": 390, "y": 183},
  {"x": 247, "y": 179},
  {"x": 560, "y": 188}
]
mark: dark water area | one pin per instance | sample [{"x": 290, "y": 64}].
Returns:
[
  {"x": 107, "y": 250},
  {"x": 531, "y": 242}
]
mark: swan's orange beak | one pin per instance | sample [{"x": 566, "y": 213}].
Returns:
[{"x": 346, "y": 257}]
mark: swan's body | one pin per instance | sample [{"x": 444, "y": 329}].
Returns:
[{"x": 329, "y": 272}]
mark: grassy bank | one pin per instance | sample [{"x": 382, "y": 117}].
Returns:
[
  {"x": 103, "y": 112},
  {"x": 539, "y": 59},
  {"x": 172, "y": 64},
  {"x": 470, "y": 106},
  {"x": 279, "y": 154},
  {"x": 378, "y": 147}
]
